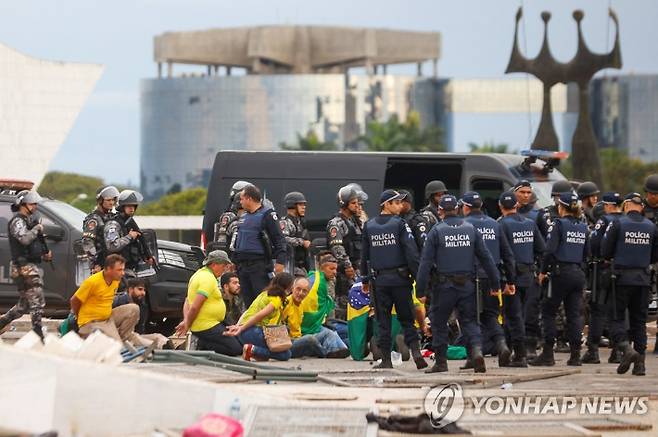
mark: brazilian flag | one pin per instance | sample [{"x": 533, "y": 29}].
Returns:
[
  {"x": 317, "y": 305},
  {"x": 358, "y": 308}
]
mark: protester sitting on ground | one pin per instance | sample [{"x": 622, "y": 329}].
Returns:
[
  {"x": 135, "y": 294},
  {"x": 204, "y": 309},
  {"x": 265, "y": 310},
  {"x": 91, "y": 305},
  {"x": 230, "y": 285}
]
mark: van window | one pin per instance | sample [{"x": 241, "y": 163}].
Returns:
[
  {"x": 413, "y": 174},
  {"x": 490, "y": 191}
]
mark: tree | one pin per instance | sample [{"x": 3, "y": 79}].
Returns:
[
  {"x": 489, "y": 147},
  {"x": 187, "y": 202},
  {"x": 309, "y": 142},
  {"x": 75, "y": 189},
  {"x": 394, "y": 136}
]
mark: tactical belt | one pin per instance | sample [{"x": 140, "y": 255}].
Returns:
[
  {"x": 525, "y": 268},
  {"x": 457, "y": 279},
  {"x": 403, "y": 271}
]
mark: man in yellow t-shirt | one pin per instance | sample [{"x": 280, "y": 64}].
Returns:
[
  {"x": 91, "y": 304},
  {"x": 204, "y": 309}
]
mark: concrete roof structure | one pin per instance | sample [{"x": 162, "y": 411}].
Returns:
[{"x": 296, "y": 49}]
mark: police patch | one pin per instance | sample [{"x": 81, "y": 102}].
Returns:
[
  {"x": 274, "y": 216},
  {"x": 422, "y": 228},
  {"x": 333, "y": 231},
  {"x": 598, "y": 226},
  {"x": 282, "y": 225},
  {"x": 91, "y": 224},
  {"x": 550, "y": 228},
  {"x": 224, "y": 220}
]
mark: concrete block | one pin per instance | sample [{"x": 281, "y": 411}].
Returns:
[
  {"x": 100, "y": 348},
  {"x": 53, "y": 345},
  {"x": 30, "y": 341}
]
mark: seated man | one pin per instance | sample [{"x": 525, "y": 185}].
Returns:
[
  {"x": 135, "y": 294},
  {"x": 204, "y": 309},
  {"x": 230, "y": 285},
  {"x": 91, "y": 305}
]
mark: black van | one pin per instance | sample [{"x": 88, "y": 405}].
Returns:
[{"x": 319, "y": 175}]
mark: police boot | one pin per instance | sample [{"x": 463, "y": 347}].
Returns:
[
  {"x": 638, "y": 367},
  {"x": 374, "y": 348},
  {"x": 417, "y": 355},
  {"x": 385, "y": 363},
  {"x": 440, "y": 365},
  {"x": 478, "y": 360},
  {"x": 503, "y": 353},
  {"x": 402, "y": 347},
  {"x": 574, "y": 359},
  {"x": 468, "y": 364},
  {"x": 615, "y": 356},
  {"x": 546, "y": 358},
  {"x": 531, "y": 348},
  {"x": 591, "y": 356},
  {"x": 519, "y": 357},
  {"x": 629, "y": 356}
]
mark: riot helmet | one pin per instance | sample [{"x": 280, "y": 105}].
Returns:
[
  {"x": 587, "y": 189},
  {"x": 560, "y": 187},
  {"x": 130, "y": 197},
  {"x": 293, "y": 198},
  {"x": 434, "y": 187},
  {"x": 107, "y": 192},
  {"x": 651, "y": 184}
]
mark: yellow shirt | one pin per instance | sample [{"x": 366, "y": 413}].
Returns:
[
  {"x": 292, "y": 316},
  {"x": 415, "y": 303},
  {"x": 213, "y": 310},
  {"x": 96, "y": 297},
  {"x": 258, "y": 304}
]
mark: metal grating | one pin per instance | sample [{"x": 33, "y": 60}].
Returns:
[{"x": 298, "y": 421}]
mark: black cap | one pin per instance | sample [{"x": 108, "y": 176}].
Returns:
[
  {"x": 522, "y": 183},
  {"x": 612, "y": 198},
  {"x": 448, "y": 203},
  {"x": 472, "y": 199},
  {"x": 567, "y": 198},
  {"x": 507, "y": 200},
  {"x": 406, "y": 196},
  {"x": 389, "y": 195},
  {"x": 634, "y": 197}
]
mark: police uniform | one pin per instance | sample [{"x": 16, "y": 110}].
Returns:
[
  {"x": 93, "y": 241},
  {"x": 26, "y": 252},
  {"x": 431, "y": 212},
  {"x": 344, "y": 240},
  {"x": 498, "y": 246},
  {"x": 224, "y": 230},
  {"x": 389, "y": 262},
  {"x": 258, "y": 240},
  {"x": 527, "y": 245},
  {"x": 567, "y": 249},
  {"x": 632, "y": 243},
  {"x": 451, "y": 248},
  {"x": 417, "y": 223},
  {"x": 295, "y": 233},
  {"x": 529, "y": 211}
]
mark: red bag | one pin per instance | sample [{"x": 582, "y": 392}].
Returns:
[{"x": 215, "y": 425}]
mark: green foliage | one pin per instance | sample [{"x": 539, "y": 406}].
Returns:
[
  {"x": 188, "y": 202},
  {"x": 489, "y": 147},
  {"x": 394, "y": 136},
  {"x": 78, "y": 190},
  {"x": 309, "y": 142}
]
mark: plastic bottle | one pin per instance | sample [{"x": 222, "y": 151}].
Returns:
[
  {"x": 234, "y": 409},
  {"x": 396, "y": 358}
]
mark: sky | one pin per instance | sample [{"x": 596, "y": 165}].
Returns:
[{"x": 476, "y": 40}]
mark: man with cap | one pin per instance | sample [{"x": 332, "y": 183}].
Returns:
[
  {"x": 416, "y": 222},
  {"x": 496, "y": 242},
  {"x": 599, "y": 303},
  {"x": 204, "y": 309},
  {"x": 631, "y": 242},
  {"x": 293, "y": 227},
  {"x": 567, "y": 250},
  {"x": 433, "y": 192},
  {"x": 451, "y": 248},
  {"x": 523, "y": 192},
  {"x": 549, "y": 214},
  {"x": 93, "y": 242},
  {"x": 27, "y": 250},
  {"x": 522, "y": 307},
  {"x": 588, "y": 193},
  {"x": 344, "y": 241},
  {"x": 651, "y": 212},
  {"x": 390, "y": 263}
]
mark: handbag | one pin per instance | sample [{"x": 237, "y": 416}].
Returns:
[{"x": 277, "y": 338}]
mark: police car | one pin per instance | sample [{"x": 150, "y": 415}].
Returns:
[{"x": 62, "y": 228}]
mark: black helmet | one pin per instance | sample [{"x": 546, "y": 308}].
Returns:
[
  {"x": 346, "y": 194},
  {"x": 587, "y": 189},
  {"x": 651, "y": 184},
  {"x": 107, "y": 192},
  {"x": 561, "y": 187},
  {"x": 293, "y": 198},
  {"x": 434, "y": 187},
  {"x": 130, "y": 197}
]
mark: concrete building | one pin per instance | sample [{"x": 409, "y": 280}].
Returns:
[{"x": 39, "y": 102}]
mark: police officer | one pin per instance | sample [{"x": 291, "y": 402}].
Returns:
[
  {"x": 588, "y": 193},
  {"x": 416, "y": 222},
  {"x": 451, "y": 248},
  {"x": 93, "y": 242},
  {"x": 598, "y": 307},
  {"x": 523, "y": 192},
  {"x": 547, "y": 216},
  {"x": 496, "y": 242},
  {"x": 259, "y": 239},
  {"x": 224, "y": 229},
  {"x": 567, "y": 249},
  {"x": 294, "y": 231},
  {"x": 631, "y": 242},
  {"x": 27, "y": 247},
  {"x": 344, "y": 240},
  {"x": 389, "y": 262},
  {"x": 122, "y": 234},
  {"x": 527, "y": 245},
  {"x": 434, "y": 190},
  {"x": 651, "y": 212}
]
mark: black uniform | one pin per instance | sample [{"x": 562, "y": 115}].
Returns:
[
  {"x": 632, "y": 242},
  {"x": 295, "y": 232},
  {"x": 431, "y": 214},
  {"x": 418, "y": 225},
  {"x": 259, "y": 240},
  {"x": 390, "y": 255},
  {"x": 567, "y": 249}
]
